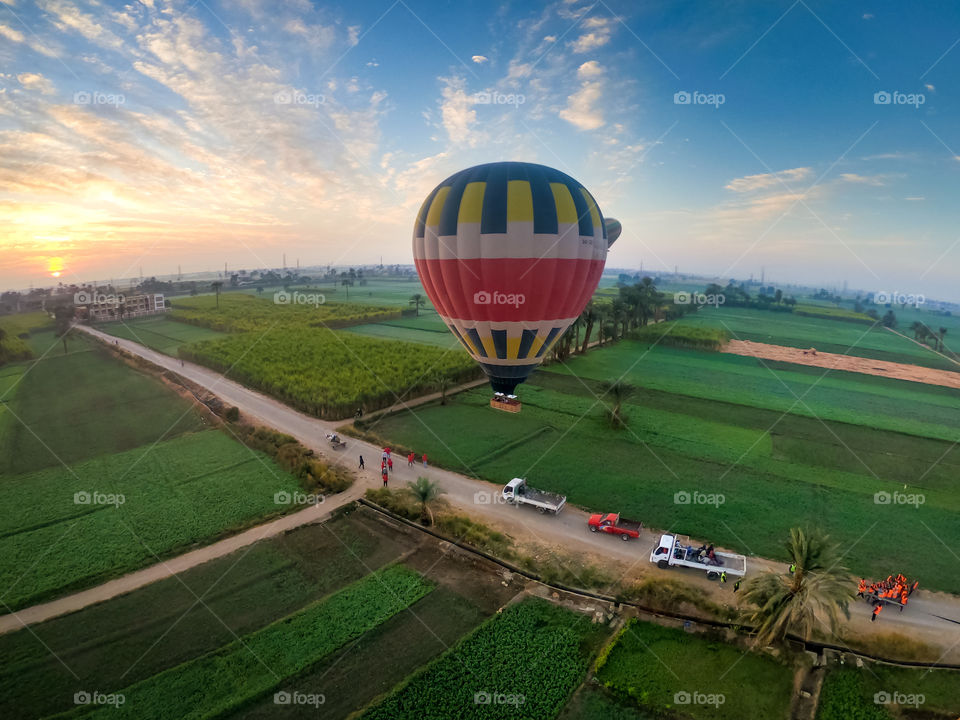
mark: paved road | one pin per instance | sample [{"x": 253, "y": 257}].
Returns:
[{"x": 566, "y": 532}]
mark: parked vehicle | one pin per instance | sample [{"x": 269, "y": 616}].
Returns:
[
  {"x": 676, "y": 550},
  {"x": 613, "y": 524},
  {"x": 517, "y": 492}
]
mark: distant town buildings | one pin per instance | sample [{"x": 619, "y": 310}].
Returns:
[{"x": 101, "y": 307}]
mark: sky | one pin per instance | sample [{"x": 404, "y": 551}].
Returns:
[{"x": 817, "y": 141}]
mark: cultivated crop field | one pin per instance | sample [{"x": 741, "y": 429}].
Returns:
[
  {"x": 844, "y": 338},
  {"x": 239, "y": 312},
  {"x": 854, "y": 693},
  {"x": 779, "y": 463},
  {"x": 533, "y": 650},
  {"x": 427, "y": 329},
  {"x": 159, "y": 332},
  {"x": 666, "y": 669},
  {"x": 116, "y": 512},
  {"x": 329, "y": 373},
  {"x": 13, "y": 347}
]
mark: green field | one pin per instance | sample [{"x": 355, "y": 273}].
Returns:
[
  {"x": 159, "y": 332},
  {"x": 73, "y": 407},
  {"x": 843, "y": 338},
  {"x": 331, "y": 373},
  {"x": 138, "y": 635},
  {"x": 254, "y": 665},
  {"x": 428, "y": 329},
  {"x": 722, "y": 424},
  {"x": 241, "y": 312},
  {"x": 524, "y": 662},
  {"x": 120, "y": 511},
  {"x": 869, "y": 693},
  {"x": 14, "y": 347},
  {"x": 666, "y": 669}
]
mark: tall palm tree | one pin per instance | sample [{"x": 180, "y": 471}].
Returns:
[
  {"x": 619, "y": 392},
  {"x": 943, "y": 331},
  {"x": 216, "y": 285},
  {"x": 589, "y": 316},
  {"x": 425, "y": 492},
  {"x": 418, "y": 302},
  {"x": 917, "y": 327},
  {"x": 818, "y": 590}
]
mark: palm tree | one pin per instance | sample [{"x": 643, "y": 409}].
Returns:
[
  {"x": 425, "y": 492},
  {"x": 619, "y": 392},
  {"x": 917, "y": 328},
  {"x": 418, "y": 302},
  {"x": 819, "y": 589},
  {"x": 216, "y": 285},
  {"x": 943, "y": 331},
  {"x": 589, "y": 316},
  {"x": 442, "y": 382}
]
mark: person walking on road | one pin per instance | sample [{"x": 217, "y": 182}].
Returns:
[
  {"x": 390, "y": 464},
  {"x": 793, "y": 568},
  {"x": 385, "y": 477},
  {"x": 410, "y": 459},
  {"x": 736, "y": 585},
  {"x": 361, "y": 462},
  {"x": 861, "y": 587},
  {"x": 723, "y": 577},
  {"x": 424, "y": 459},
  {"x": 876, "y": 611}
]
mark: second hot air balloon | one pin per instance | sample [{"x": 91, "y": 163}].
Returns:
[{"x": 509, "y": 254}]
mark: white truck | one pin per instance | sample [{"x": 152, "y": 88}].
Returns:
[
  {"x": 517, "y": 492},
  {"x": 676, "y": 550}
]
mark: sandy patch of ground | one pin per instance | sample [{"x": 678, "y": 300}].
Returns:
[{"x": 850, "y": 363}]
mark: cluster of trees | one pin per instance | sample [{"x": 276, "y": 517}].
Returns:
[
  {"x": 925, "y": 334},
  {"x": 634, "y": 307},
  {"x": 737, "y": 296}
]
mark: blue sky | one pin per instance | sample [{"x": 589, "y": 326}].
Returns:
[{"x": 162, "y": 133}]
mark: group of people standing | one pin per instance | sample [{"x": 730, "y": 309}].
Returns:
[
  {"x": 894, "y": 589},
  {"x": 386, "y": 463}
]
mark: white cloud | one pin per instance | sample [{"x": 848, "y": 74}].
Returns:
[
  {"x": 868, "y": 16},
  {"x": 36, "y": 81},
  {"x": 930, "y": 87},
  {"x": 10, "y": 34},
  {"x": 479, "y": 59},
  {"x": 582, "y": 109},
  {"x": 456, "y": 110},
  {"x": 353, "y": 35},
  {"x": 752, "y": 183},
  {"x": 863, "y": 179},
  {"x": 600, "y": 30}
]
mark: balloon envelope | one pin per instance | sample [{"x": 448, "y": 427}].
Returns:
[{"x": 509, "y": 254}]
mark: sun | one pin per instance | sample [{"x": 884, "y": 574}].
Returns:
[{"x": 55, "y": 266}]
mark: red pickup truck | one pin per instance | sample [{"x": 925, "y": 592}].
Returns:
[{"x": 615, "y": 525}]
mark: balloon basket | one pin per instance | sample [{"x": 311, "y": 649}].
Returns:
[{"x": 512, "y": 406}]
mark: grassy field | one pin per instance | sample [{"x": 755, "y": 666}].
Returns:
[
  {"x": 666, "y": 669},
  {"x": 73, "y": 407},
  {"x": 880, "y": 692},
  {"x": 138, "y": 635},
  {"x": 427, "y": 329},
  {"x": 159, "y": 332},
  {"x": 524, "y": 662},
  {"x": 117, "y": 512},
  {"x": 692, "y": 428},
  {"x": 331, "y": 373},
  {"x": 256, "y": 664},
  {"x": 14, "y": 347},
  {"x": 845, "y": 338}
]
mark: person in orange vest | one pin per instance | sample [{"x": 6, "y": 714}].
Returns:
[
  {"x": 876, "y": 611},
  {"x": 861, "y": 587}
]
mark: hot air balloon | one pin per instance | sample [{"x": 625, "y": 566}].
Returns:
[
  {"x": 509, "y": 254},
  {"x": 614, "y": 228}
]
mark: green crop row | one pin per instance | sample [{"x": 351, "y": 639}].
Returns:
[
  {"x": 524, "y": 662},
  {"x": 256, "y": 664},
  {"x": 679, "y": 335},
  {"x": 330, "y": 374}
]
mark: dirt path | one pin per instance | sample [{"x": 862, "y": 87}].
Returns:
[
  {"x": 566, "y": 534},
  {"x": 850, "y": 363}
]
